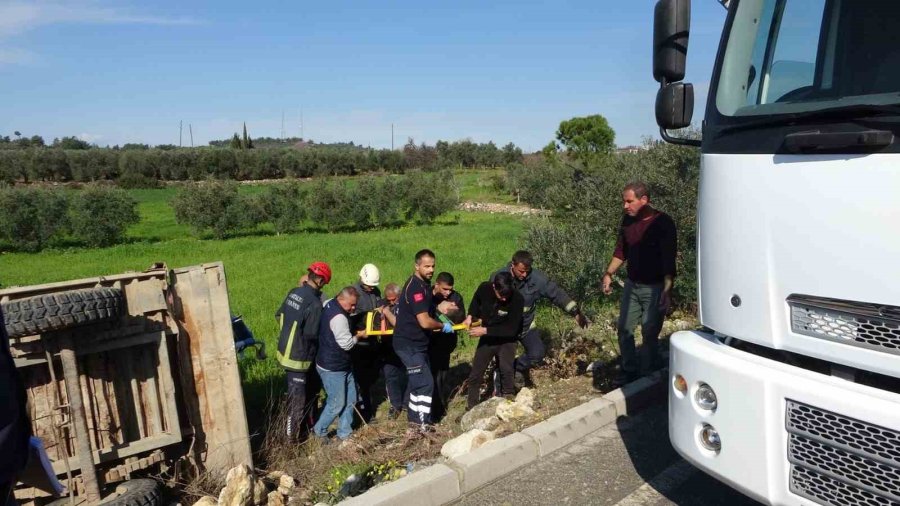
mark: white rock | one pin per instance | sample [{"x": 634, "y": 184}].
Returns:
[
  {"x": 275, "y": 499},
  {"x": 286, "y": 481},
  {"x": 259, "y": 493},
  {"x": 525, "y": 397},
  {"x": 206, "y": 501},
  {"x": 511, "y": 410},
  {"x": 239, "y": 487},
  {"x": 466, "y": 442}
]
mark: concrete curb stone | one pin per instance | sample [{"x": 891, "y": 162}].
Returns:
[
  {"x": 434, "y": 485},
  {"x": 444, "y": 483},
  {"x": 494, "y": 460}
]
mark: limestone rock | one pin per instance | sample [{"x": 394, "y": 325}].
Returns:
[
  {"x": 287, "y": 482},
  {"x": 275, "y": 498},
  {"x": 239, "y": 487},
  {"x": 487, "y": 424},
  {"x": 275, "y": 475},
  {"x": 486, "y": 409},
  {"x": 206, "y": 501},
  {"x": 512, "y": 410},
  {"x": 259, "y": 493},
  {"x": 525, "y": 397},
  {"x": 466, "y": 442}
]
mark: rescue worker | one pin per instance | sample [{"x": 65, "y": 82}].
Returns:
[
  {"x": 415, "y": 323},
  {"x": 334, "y": 365},
  {"x": 442, "y": 344},
  {"x": 392, "y": 366},
  {"x": 365, "y": 355},
  {"x": 15, "y": 426},
  {"x": 535, "y": 285},
  {"x": 298, "y": 318}
]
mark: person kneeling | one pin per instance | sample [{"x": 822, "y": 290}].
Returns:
[
  {"x": 499, "y": 306},
  {"x": 334, "y": 364}
]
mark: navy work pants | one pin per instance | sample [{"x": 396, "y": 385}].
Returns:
[{"x": 421, "y": 385}]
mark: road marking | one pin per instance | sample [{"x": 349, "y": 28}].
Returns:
[{"x": 663, "y": 483}]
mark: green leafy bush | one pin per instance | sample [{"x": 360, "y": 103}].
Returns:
[
  {"x": 214, "y": 206},
  {"x": 100, "y": 216},
  {"x": 31, "y": 218},
  {"x": 283, "y": 205},
  {"x": 132, "y": 180}
]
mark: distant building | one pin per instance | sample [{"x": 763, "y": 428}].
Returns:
[{"x": 630, "y": 149}]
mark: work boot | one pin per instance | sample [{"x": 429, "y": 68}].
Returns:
[{"x": 523, "y": 379}]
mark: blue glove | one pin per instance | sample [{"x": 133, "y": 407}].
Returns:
[{"x": 448, "y": 328}]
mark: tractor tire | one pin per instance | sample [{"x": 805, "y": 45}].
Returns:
[
  {"x": 61, "y": 310},
  {"x": 140, "y": 492}
]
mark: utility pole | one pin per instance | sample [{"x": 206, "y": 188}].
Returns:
[
  {"x": 179, "y": 133},
  {"x": 191, "y": 130}
]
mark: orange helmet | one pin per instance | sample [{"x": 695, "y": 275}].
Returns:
[{"x": 321, "y": 269}]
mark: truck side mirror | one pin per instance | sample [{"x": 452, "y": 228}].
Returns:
[
  {"x": 675, "y": 106},
  {"x": 671, "y": 31}
]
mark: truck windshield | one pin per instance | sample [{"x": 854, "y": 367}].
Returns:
[{"x": 785, "y": 57}]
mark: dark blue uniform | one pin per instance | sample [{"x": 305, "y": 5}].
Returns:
[
  {"x": 411, "y": 345},
  {"x": 366, "y": 354},
  {"x": 439, "y": 351},
  {"x": 15, "y": 427}
]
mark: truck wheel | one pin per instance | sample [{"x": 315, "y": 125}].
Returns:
[
  {"x": 142, "y": 492},
  {"x": 61, "y": 310}
]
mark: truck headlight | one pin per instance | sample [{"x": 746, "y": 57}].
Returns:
[
  {"x": 706, "y": 397},
  {"x": 709, "y": 438}
]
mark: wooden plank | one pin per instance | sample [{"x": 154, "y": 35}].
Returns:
[
  {"x": 122, "y": 451},
  {"x": 99, "y": 385},
  {"x": 92, "y": 346},
  {"x": 167, "y": 387},
  {"x": 149, "y": 393},
  {"x": 128, "y": 418},
  {"x": 136, "y": 403},
  {"x": 212, "y": 389}
]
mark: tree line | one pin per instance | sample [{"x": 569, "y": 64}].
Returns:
[{"x": 68, "y": 159}]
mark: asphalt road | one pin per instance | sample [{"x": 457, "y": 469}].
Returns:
[{"x": 628, "y": 463}]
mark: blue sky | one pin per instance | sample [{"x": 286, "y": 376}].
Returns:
[{"x": 117, "y": 72}]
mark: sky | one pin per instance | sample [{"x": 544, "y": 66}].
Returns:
[{"x": 118, "y": 72}]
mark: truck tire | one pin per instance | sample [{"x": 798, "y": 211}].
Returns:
[
  {"x": 61, "y": 310},
  {"x": 141, "y": 492}
]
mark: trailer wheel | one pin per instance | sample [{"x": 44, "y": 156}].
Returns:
[
  {"x": 142, "y": 492},
  {"x": 61, "y": 310}
]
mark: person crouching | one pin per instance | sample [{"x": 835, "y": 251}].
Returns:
[
  {"x": 334, "y": 364},
  {"x": 499, "y": 306}
]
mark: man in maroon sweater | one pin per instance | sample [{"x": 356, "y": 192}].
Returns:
[{"x": 647, "y": 243}]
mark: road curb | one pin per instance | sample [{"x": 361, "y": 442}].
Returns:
[{"x": 446, "y": 482}]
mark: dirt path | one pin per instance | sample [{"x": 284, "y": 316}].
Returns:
[{"x": 490, "y": 207}]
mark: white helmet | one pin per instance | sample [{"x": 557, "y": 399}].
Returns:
[{"x": 369, "y": 275}]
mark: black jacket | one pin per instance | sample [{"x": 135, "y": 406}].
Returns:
[
  {"x": 15, "y": 426},
  {"x": 298, "y": 317},
  {"x": 502, "y": 319}
]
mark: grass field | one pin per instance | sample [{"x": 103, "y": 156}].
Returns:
[{"x": 262, "y": 268}]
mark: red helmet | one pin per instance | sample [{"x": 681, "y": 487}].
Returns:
[{"x": 321, "y": 269}]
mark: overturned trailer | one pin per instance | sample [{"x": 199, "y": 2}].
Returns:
[{"x": 129, "y": 375}]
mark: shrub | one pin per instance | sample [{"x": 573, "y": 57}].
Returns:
[
  {"x": 430, "y": 194},
  {"x": 214, "y": 206},
  {"x": 30, "y": 218},
  {"x": 132, "y": 180},
  {"x": 100, "y": 216},
  {"x": 283, "y": 205}
]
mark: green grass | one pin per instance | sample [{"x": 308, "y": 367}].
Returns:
[
  {"x": 261, "y": 269},
  {"x": 478, "y": 185}
]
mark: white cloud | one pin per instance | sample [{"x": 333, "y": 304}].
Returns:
[
  {"x": 17, "y": 18},
  {"x": 20, "y": 17}
]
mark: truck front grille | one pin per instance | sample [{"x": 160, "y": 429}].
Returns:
[
  {"x": 861, "y": 324},
  {"x": 838, "y": 460}
]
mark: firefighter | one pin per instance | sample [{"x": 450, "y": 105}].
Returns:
[
  {"x": 535, "y": 285},
  {"x": 366, "y": 355},
  {"x": 298, "y": 341}
]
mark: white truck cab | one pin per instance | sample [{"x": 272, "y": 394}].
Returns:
[{"x": 790, "y": 392}]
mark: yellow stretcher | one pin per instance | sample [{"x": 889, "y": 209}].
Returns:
[{"x": 384, "y": 331}]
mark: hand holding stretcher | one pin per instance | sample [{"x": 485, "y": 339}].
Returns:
[{"x": 384, "y": 331}]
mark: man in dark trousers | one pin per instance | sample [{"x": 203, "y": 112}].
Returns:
[
  {"x": 366, "y": 355},
  {"x": 15, "y": 427},
  {"x": 298, "y": 318},
  {"x": 412, "y": 334},
  {"x": 442, "y": 344},
  {"x": 535, "y": 285},
  {"x": 392, "y": 366},
  {"x": 500, "y": 307},
  {"x": 647, "y": 243}
]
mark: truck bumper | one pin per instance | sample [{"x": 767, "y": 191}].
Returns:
[{"x": 757, "y": 400}]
